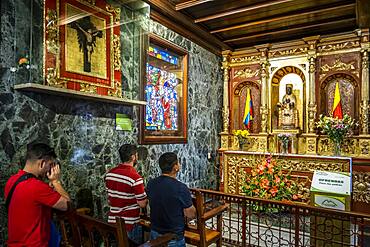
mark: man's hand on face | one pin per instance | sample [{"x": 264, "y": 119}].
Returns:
[{"x": 54, "y": 173}]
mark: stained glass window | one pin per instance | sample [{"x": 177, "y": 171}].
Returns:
[
  {"x": 165, "y": 93},
  {"x": 162, "y": 102}
]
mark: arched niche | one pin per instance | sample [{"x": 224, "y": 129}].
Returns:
[
  {"x": 349, "y": 94},
  {"x": 282, "y": 77},
  {"x": 239, "y": 98}
]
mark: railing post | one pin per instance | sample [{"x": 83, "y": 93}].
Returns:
[
  {"x": 244, "y": 223},
  {"x": 296, "y": 228},
  {"x": 361, "y": 241}
]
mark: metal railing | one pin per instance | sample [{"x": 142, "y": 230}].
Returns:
[{"x": 258, "y": 222}]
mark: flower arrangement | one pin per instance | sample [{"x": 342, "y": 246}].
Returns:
[
  {"x": 336, "y": 129},
  {"x": 242, "y": 136},
  {"x": 268, "y": 181},
  {"x": 284, "y": 140}
]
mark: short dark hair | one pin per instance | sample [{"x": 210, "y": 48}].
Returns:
[
  {"x": 126, "y": 151},
  {"x": 167, "y": 161},
  {"x": 36, "y": 151}
]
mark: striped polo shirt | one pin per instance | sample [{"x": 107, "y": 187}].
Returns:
[{"x": 125, "y": 187}]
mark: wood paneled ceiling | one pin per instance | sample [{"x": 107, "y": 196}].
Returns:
[{"x": 235, "y": 24}]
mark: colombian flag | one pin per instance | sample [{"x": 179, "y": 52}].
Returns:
[
  {"x": 248, "y": 110},
  {"x": 337, "y": 105}
]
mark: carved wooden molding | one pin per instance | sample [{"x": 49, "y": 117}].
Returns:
[{"x": 361, "y": 187}]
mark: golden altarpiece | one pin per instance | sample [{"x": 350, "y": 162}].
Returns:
[{"x": 291, "y": 84}]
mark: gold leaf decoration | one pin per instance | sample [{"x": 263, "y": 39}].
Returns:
[
  {"x": 117, "y": 91},
  {"x": 52, "y": 32},
  {"x": 245, "y": 73},
  {"x": 245, "y": 59},
  {"x": 338, "y": 66},
  {"x": 52, "y": 80},
  {"x": 361, "y": 187},
  {"x": 340, "y": 46},
  {"x": 88, "y": 88},
  {"x": 117, "y": 52},
  {"x": 116, "y": 12}
]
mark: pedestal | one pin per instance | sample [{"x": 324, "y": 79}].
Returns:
[{"x": 294, "y": 139}]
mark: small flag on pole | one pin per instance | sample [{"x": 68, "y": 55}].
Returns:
[
  {"x": 337, "y": 105},
  {"x": 248, "y": 110}
]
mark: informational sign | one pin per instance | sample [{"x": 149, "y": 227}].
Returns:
[
  {"x": 331, "y": 182},
  {"x": 331, "y": 190},
  {"x": 123, "y": 122}
]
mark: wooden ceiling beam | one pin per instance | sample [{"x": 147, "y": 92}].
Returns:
[
  {"x": 280, "y": 18},
  {"x": 363, "y": 13},
  {"x": 158, "y": 17},
  {"x": 181, "y": 21},
  {"x": 190, "y": 3},
  {"x": 288, "y": 30},
  {"x": 240, "y": 10}
]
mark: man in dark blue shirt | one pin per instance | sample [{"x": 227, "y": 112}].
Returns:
[{"x": 170, "y": 200}]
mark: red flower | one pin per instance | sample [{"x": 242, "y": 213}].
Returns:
[
  {"x": 274, "y": 190},
  {"x": 270, "y": 165},
  {"x": 265, "y": 183},
  {"x": 260, "y": 169}
]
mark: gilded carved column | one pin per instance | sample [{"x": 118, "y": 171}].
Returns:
[
  {"x": 311, "y": 95},
  {"x": 264, "y": 95},
  {"x": 364, "y": 121},
  {"x": 311, "y": 139},
  {"x": 311, "y": 56},
  {"x": 225, "y": 110}
]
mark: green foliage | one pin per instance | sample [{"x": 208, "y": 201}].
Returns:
[{"x": 336, "y": 129}]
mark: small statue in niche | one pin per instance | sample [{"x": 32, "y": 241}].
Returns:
[{"x": 288, "y": 113}]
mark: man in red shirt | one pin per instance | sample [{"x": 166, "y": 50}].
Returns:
[
  {"x": 126, "y": 194},
  {"x": 29, "y": 212}
]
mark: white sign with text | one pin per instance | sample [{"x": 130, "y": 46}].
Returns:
[{"x": 331, "y": 182}]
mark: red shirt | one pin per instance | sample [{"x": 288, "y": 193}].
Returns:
[
  {"x": 125, "y": 187},
  {"x": 29, "y": 212}
]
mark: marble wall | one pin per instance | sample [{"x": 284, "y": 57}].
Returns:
[{"x": 83, "y": 132}]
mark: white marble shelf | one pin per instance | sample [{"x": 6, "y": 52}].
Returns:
[{"x": 39, "y": 88}]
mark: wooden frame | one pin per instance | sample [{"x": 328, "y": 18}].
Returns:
[
  {"x": 82, "y": 46},
  {"x": 176, "y": 75}
]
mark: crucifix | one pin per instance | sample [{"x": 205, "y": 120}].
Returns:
[{"x": 86, "y": 34}]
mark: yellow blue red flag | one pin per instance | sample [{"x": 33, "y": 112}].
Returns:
[{"x": 248, "y": 110}]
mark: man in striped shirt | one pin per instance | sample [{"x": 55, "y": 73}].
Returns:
[{"x": 126, "y": 194}]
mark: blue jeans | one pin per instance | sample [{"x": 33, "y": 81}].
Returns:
[
  {"x": 136, "y": 234},
  {"x": 173, "y": 243}
]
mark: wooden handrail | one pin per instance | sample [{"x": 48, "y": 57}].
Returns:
[
  {"x": 261, "y": 201},
  {"x": 214, "y": 212}
]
